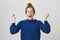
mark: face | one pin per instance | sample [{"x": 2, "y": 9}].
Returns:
[{"x": 30, "y": 13}]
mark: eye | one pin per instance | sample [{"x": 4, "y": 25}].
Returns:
[
  {"x": 28, "y": 11},
  {"x": 31, "y": 11}
]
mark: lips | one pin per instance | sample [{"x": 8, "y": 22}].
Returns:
[{"x": 30, "y": 16}]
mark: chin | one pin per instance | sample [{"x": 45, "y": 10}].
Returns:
[{"x": 30, "y": 18}]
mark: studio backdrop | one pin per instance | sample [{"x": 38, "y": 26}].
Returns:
[{"x": 8, "y": 7}]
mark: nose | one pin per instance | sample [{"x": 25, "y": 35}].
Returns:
[{"x": 29, "y": 13}]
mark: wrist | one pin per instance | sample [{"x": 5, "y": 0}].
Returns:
[
  {"x": 45, "y": 19},
  {"x": 13, "y": 21}
]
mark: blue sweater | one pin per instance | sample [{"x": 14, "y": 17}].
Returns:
[{"x": 30, "y": 29}]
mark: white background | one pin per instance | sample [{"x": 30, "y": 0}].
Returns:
[{"x": 7, "y": 7}]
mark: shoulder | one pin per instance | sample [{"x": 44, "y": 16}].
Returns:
[
  {"x": 22, "y": 21},
  {"x": 39, "y": 21}
]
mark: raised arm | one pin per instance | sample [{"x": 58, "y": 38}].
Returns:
[
  {"x": 14, "y": 28},
  {"x": 45, "y": 27}
]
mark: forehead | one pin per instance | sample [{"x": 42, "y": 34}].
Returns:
[{"x": 29, "y": 9}]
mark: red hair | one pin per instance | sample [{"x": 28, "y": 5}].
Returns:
[{"x": 29, "y": 5}]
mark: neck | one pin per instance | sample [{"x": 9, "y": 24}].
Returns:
[{"x": 30, "y": 18}]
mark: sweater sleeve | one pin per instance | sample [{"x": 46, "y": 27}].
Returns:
[
  {"x": 45, "y": 27},
  {"x": 15, "y": 28}
]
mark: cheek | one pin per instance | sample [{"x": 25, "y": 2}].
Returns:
[
  {"x": 27, "y": 14},
  {"x": 32, "y": 14}
]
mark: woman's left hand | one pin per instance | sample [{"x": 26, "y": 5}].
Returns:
[{"x": 46, "y": 16}]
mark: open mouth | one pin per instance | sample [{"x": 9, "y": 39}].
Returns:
[{"x": 30, "y": 16}]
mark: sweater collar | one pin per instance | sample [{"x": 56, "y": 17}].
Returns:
[{"x": 31, "y": 20}]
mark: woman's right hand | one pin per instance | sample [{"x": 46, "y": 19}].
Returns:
[{"x": 13, "y": 18}]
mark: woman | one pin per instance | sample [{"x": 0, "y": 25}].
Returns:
[{"x": 30, "y": 27}]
